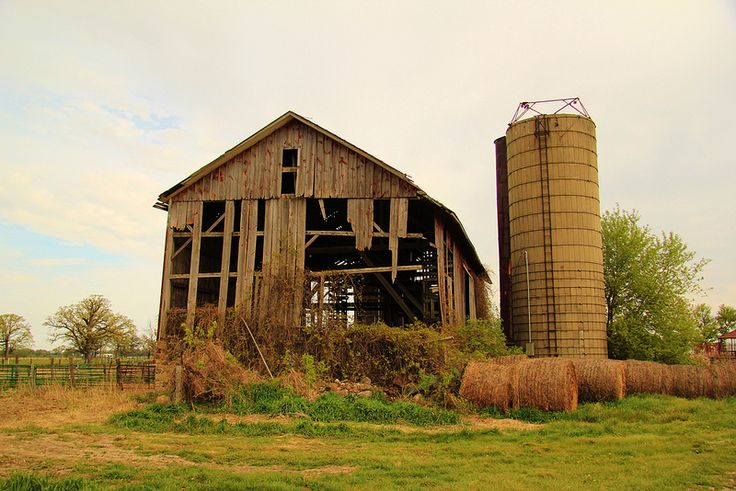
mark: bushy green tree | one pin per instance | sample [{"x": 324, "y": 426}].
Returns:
[
  {"x": 726, "y": 319},
  {"x": 649, "y": 280},
  {"x": 15, "y": 333},
  {"x": 88, "y": 325},
  {"x": 707, "y": 325}
]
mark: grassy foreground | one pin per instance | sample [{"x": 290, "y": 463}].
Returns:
[{"x": 653, "y": 442}]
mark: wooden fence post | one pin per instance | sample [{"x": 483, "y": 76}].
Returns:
[
  {"x": 178, "y": 384},
  {"x": 32, "y": 376},
  {"x": 118, "y": 374},
  {"x": 71, "y": 372}
]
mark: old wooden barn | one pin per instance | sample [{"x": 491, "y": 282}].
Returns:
[{"x": 295, "y": 221}]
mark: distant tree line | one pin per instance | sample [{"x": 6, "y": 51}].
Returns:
[{"x": 87, "y": 328}]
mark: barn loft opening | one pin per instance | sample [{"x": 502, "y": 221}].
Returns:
[{"x": 289, "y": 164}]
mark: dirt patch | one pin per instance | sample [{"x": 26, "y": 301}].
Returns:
[
  {"x": 56, "y": 406},
  {"x": 33, "y": 451},
  {"x": 62, "y": 452},
  {"x": 477, "y": 423}
]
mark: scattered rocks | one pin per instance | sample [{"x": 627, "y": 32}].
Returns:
[{"x": 345, "y": 387}]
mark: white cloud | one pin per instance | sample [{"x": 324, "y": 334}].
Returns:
[{"x": 425, "y": 86}]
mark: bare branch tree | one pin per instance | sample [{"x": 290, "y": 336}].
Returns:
[
  {"x": 15, "y": 333},
  {"x": 87, "y": 326}
]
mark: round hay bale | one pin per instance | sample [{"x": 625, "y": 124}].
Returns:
[
  {"x": 508, "y": 359},
  {"x": 724, "y": 379},
  {"x": 599, "y": 380},
  {"x": 691, "y": 381},
  {"x": 548, "y": 384},
  {"x": 647, "y": 377},
  {"x": 487, "y": 384}
]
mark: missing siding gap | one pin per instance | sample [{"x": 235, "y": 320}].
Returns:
[{"x": 288, "y": 183}]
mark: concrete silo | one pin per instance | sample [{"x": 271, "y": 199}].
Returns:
[{"x": 552, "y": 261}]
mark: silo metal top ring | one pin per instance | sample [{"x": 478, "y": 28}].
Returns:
[{"x": 573, "y": 103}]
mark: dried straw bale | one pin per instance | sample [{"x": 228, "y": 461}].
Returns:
[
  {"x": 691, "y": 381},
  {"x": 548, "y": 384},
  {"x": 599, "y": 380},
  {"x": 487, "y": 384},
  {"x": 508, "y": 359},
  {"x": 647, "y": 377},
  {"x": 724, "y": 379}
]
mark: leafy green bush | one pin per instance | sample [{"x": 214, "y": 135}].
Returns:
[{"x": 483, "y": 338}]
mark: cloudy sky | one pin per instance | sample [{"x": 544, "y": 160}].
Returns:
[{"x": 103, "y": 105}]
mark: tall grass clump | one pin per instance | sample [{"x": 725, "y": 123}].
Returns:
[
  {"x": 34, "y": 482},
  {"x": 273, "y": 399}
]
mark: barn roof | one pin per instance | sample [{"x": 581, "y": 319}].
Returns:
[
  {"x": 287, "y": 118},
  {"x": 729, "y": 335}
]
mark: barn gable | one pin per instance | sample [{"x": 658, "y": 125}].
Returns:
[
  {"x": 293, "y": 156},
  {"x": 275, "y": 225}
]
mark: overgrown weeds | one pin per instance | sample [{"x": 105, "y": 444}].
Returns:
[
  {"x": 35, "y": 482},
  {"x": 274, "y": 400}
]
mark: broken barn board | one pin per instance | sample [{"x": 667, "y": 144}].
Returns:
[
  {"x": 397, "y": 228},
  {"x": 360, "y": 216}
]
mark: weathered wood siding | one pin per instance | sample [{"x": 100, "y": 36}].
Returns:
[
  {"x": 326, "y": 169},
  {"x": 452, "y": 267}
]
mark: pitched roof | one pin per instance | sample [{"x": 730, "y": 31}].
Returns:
[
  {"x": 282, "y": 121},
  {"x": 279, "y": 122},
  {"x": 729, "y": 335}
]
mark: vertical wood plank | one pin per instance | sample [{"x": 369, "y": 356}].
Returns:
[
  {"x": 250, "y": 254},
  {"x": 367, "y": 191},
  {"x": 439, "y": 234},
  {"x": 165, "y": 302},
  {"x": 352, "y": 176},
  {"x": 402, "y": 208},
  {"x": 300, "y": 256},
  {"x": 308, "y": 162},
  {"x": 319, "y": 165},
  {"x": 393, "y": 237},
  {"x": 227, "y": 238},
  {"x": 459, "y": 285},
  {"x": 194, "y": 265},
  {"x": 471, "y": 296},
  {"x": 360, "y": 178}
]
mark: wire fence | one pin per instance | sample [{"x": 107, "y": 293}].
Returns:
[{"x": 120, "y": 374}]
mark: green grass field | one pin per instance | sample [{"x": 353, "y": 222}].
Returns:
[{"x": 653, "y": 442}]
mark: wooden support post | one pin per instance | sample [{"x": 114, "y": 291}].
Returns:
[
  {"x": 194, "y": 265},
  {"x": 320, "y": 300},
  {"x": 165, "y": 302},
  {"x": 390, "y": 289},
  {"x": 225, "y": 264}
]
